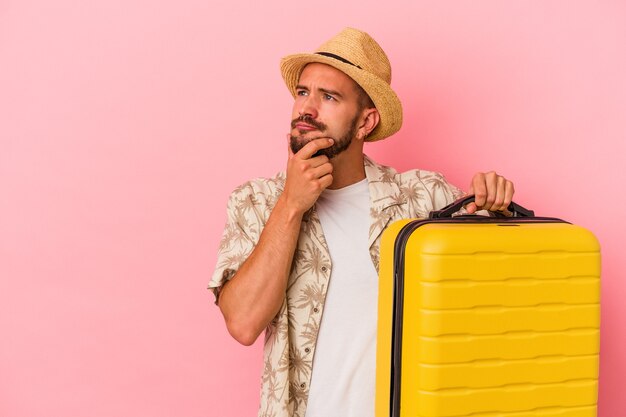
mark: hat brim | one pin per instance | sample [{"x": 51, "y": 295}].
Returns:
[{"x": 385, "y": 99}]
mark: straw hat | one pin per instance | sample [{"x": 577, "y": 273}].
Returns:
[{"x": 359, "y": 56}]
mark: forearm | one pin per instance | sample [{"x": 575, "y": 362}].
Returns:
[{"x": 253, "y": 297}]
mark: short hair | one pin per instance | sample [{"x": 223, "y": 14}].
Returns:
[{"x": 363, "y": 100}]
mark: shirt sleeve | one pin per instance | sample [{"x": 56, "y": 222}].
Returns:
[
  {"x": 238, "y": 239},
  {"x": 441, "y": 191}
]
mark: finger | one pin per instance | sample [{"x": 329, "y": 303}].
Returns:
[
  {"x": 509, "y": 190},
  {"x": 491, "y": 185},
  {"x": 313, "y": 146},
  {"x": 498, "y": 201},
  {"x": 505, "y": 195},
  {"x": 318, "y": 161},
  {"x": 322, "y": 170},
  {"x": 325, "y": 181},
  {"x": 479, "y": 189},
  {"x": 470, "y": 207}
]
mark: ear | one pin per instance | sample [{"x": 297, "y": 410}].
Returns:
[{"x": 370, "y": 119}]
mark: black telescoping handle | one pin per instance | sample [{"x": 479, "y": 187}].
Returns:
[{"x": 447, "y": 211}]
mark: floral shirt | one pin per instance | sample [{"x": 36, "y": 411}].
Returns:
[{"x": 291, "y": 336}]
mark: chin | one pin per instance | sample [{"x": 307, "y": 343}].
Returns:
[{"x": 297, "y": 142}]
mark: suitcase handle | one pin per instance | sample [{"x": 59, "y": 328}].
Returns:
[{"x": 447, "y": 211}]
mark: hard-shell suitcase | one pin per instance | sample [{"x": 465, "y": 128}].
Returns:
[{"x": 488, "y": 317}]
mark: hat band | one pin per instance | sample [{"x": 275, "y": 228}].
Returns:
[{"x": 338, "y": 58}]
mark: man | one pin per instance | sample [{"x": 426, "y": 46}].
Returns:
[{"x": 299, "y": 254}]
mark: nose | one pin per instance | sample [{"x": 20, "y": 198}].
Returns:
[{"x": 307, "y": 106}]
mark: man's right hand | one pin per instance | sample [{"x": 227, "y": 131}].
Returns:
[
  {"x": 307, "y": 176},
  {"x": 255, "y": 294}
]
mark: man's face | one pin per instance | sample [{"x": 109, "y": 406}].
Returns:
[{"x": 326, "y": 105}]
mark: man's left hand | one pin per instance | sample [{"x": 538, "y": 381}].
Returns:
[{"x": 492, "y": 192}]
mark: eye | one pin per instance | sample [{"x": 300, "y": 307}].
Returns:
[
  {"x": 328, "y": 97},
  {"x": 301, "y": 92}
]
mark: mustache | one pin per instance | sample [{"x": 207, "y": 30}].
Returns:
[{"x": 310, "y": 121}]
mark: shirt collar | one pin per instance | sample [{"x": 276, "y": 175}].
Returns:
[
  {"x": 384, "y": 191},
  {"x": 385, "y": 197}
]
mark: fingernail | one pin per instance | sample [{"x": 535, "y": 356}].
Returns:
[{"x": 330, "y": 141}]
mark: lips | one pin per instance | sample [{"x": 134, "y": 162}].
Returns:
[
  {"x": 306, "y": 123},
  {"x": 304, "y": 127}
]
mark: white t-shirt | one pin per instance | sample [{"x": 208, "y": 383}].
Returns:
[{"x": 344, "y": 365}]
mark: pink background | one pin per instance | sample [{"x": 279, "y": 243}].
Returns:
[{"x": 124, "y": 125}]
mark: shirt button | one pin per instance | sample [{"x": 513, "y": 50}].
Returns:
[
  {"x": 324, "y": 269},
  {"x": 303, "y": 385},
  {"x": 307, "y": 350},
  {"x": 316, "y": 310}
]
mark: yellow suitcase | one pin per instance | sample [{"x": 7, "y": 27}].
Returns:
[{"x": 488, "y": 317}]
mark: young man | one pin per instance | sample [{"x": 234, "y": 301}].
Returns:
[{"x": 299, "y": 254}]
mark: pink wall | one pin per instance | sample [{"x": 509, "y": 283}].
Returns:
[{"x": 125, "y": 124}]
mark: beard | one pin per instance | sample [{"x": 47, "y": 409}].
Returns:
[{"x": 340, "y": 144}]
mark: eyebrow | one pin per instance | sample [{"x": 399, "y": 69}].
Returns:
[{"x": 323, "y": 90}]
